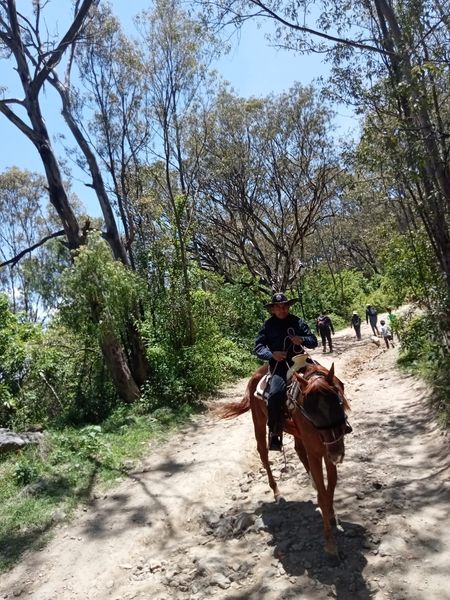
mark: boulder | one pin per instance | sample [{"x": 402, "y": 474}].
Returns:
[{"x": 11, "y": 441}]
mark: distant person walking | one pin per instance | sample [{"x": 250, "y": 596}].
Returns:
[
  {"x": 372, "y": 317},
  {"x": 356, "y": 324},
  {"x": 386, "y": 334},
  {"x": 393, "y": 323},
  {"x": 324, "y": 326}
]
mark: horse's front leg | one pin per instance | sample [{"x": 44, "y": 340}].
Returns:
[
  {"x": 331, "y": 486},
  {"x": 291, "y": 427},
  {"x": 259, "y": 424},
  {"x": 324, "y": 502}
]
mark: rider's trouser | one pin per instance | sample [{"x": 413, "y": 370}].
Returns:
[
  {"x": 325, "y": 334},
  {"x": 275, "y": 399}
]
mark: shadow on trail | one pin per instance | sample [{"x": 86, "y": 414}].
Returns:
[
  {"x": 153, "y": 505},
  {"x": 110, "y": 513},
  {"x": 297, "y": 537},
  {"x": 15, "y": 541}
]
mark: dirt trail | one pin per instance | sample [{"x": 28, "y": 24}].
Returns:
[{"x": 197, "y": 519}]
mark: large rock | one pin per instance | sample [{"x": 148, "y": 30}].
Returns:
[{"x": 11, "y": 441}]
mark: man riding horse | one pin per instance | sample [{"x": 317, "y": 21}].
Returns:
[{"x": 282, "y": 337}]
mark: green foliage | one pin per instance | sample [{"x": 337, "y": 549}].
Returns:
[
  {"x": 18, "y": 342},
  {"x": 25, "y": 472},
  {"x": 408, "y": 272},
  {"x": 338, "y": 295},
  {"x": 424, "y": 352},
  {"x": 65, "y": 382},
  {"x": 179, "y": 373},
  {"x": 99, "y": 293},
  {"x": 238, "y": 310}
]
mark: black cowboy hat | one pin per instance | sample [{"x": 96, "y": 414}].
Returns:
[{"x": 280, "y": 298}]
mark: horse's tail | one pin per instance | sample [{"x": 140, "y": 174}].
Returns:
[{"x": 234, "y": 409}]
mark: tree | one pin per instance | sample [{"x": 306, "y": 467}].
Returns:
[
  {"x": 177, "y": 52},
  {"x": 30, "y": 262},
  {"x": 390, "y": 62},
  {"x": 268, "y": 175},
  {"x": 35, "y": 60},
  {"x": 113, "y": 110}
]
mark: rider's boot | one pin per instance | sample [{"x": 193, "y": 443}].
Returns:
[{"x": 275, "y": 442}]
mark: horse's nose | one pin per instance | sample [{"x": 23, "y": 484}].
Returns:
[
  {"x": 337, "y": 459},
  {"x": 336, "y": 455}
]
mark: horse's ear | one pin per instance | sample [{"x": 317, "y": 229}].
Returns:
[
  {"x": 301, "y": 379},
  {"x": 330, "y": 376}
]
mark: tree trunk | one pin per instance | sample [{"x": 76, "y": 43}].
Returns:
[
  {"x": 117, "y": 364},
  {"x": 137, "y": 359},
  {"x": 416, "y": 113}
]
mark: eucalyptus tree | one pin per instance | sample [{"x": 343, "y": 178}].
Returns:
[
  {"x": 266, "y": 182},
  {"x": 34, "y": 53},
  {"x": 177, "y": 53},
  {"x": 114, "y": 112},
  {"x": 23, "y": 224},
  {"x": 390, "y": 61},
  {"x": 33, "y": 59}
]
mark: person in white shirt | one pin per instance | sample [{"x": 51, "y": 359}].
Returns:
[{"x": 386, "y": 334}]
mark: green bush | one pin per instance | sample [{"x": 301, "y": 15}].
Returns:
[
  {"x": 424, "y": 352},
  {"x": 408, "y": 272},
  {"x": 25, "y": 472},
  {"x": 19, "y": 341}
]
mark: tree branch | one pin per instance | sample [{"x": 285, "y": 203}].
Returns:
[
  {"x": 273, "y": 15},
  {"x": 68, "y": 39},
  {"x": 13, "y": 261},
  {"x": 17, "y": 121}
]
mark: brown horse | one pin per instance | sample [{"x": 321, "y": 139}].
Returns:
[{"x": 316, "y": 417}]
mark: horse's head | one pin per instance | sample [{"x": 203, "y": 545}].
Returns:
[{"x": 322, "y": 402}]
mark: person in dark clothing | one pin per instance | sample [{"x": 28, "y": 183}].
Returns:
[
  {"x": 356, "y": 324},
  {"x": 372, "y": 316},
  {"x": 324, "y": 326},
  {"x": 281, "y": 337}
]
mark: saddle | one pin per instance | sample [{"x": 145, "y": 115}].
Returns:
[{"x": 300, "y": 361}]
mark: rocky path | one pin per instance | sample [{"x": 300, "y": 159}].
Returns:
[{"x": 197, "y": 519}]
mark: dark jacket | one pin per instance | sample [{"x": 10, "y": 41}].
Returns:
[
  {"x": 274, "y": 336},
  {"x": 371, "y": 313},
  {"x": 356, "y": 321}
]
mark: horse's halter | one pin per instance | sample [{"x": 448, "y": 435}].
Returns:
[{"x": 324, "y": 414}]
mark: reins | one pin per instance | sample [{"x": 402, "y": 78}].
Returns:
[{"x": 290, "y": 333}]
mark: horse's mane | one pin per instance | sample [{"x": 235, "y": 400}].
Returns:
[{"x": 321, "y": 384}]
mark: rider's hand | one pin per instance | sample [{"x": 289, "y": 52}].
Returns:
[
  {"x": 296, "y": 339},
  {"x": 279, "y": 356}
]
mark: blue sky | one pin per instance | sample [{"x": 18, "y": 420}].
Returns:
[{"x": 252, "y": 67}]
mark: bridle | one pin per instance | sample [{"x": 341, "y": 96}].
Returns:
[{"x": 331, "y": 426}]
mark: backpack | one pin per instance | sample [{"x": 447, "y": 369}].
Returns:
[
  {"x": 372, "y": 311},
  {"x": 322, "y": 322},
  {"x": 356, "y": 320}
]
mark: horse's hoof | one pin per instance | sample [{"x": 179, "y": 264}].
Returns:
[
  {"x": 334, "y": 521},
  {"x": 278, "y": 497},
  {"x": 331, "y": 550}
]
